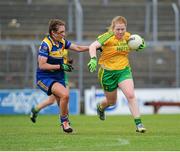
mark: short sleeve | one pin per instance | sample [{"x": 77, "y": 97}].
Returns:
[
  {"x": 67, "y": 44},
  {"x": 104, "y": 37},
  {"x": 44, "y": 49}
]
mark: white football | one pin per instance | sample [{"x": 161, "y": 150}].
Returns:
[{"x": 134, "y": 41}]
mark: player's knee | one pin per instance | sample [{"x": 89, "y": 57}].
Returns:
[
  {"x": 51, "y": 102},
  {"x": 65, "y": 96},
  {"x": 130, "y": 96}
]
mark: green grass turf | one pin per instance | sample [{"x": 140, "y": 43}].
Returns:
[{"x": 116, "y": 133}]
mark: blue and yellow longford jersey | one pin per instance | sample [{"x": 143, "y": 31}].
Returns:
[
  {"x": 53, "y": 52},
  {"x": 115, "y": 52}
]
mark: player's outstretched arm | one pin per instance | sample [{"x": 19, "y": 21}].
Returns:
[
  {"x": 79, "y": 48},
  {"x": 92, "y": 52}
]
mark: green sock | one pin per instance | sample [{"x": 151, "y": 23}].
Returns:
[
  {"x": 36, "y": 109},
  {"x": 100, "y": 108},
  {"x": 137, "y": 121}
]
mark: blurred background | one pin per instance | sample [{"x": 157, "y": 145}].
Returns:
[{"x": 24, "y": 23}]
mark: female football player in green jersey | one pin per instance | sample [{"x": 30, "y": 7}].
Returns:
[{"x": 115, "y": 71}]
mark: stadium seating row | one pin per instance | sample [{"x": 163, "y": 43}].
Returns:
[{"x": 32, "y": 20}]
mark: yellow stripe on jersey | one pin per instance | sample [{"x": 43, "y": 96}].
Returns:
[
  {"x": 65, "y": 56},
  {"x": 115, "y": 52},
  {"x": 56, "y": 54}
]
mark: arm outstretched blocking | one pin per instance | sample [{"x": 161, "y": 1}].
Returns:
[
  {"x": 79, "y": 48},
  {"x": 92, "y": 52}
]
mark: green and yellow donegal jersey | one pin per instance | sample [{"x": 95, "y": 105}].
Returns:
[{"x": 115, "y": 52}]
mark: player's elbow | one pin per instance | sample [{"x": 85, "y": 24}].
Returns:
[
  {"x": 41, "y": 67},
  {"x": 92, "y": 47}
]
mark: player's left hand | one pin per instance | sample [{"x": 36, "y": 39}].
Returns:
[
  {"x": 142, "y": 46},
  {"x": 92, "y": 64},
  {"x": 66, "y": 67}
]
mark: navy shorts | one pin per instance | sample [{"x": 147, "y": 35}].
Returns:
[{"x": 45, "y": 84}]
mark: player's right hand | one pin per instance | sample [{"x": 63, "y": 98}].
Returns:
[
  {"x": 66, "y": 67},
  {"x": 142, "y": 46},
  {"x": 92, "y": 64}
]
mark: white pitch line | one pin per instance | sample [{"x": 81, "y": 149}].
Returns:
[{"x": 123, "y": 141}]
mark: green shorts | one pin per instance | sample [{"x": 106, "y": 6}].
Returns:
[
  {"x": 66, "y": 79},
  {"x": 110, "y": 79}
]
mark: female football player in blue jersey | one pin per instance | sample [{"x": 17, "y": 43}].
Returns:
[
  {"x": 51, "y": 99},
  {"x": 51, "y": 68}
]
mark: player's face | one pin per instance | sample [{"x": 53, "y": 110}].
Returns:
[
  {"x": 59, "y": 34},
  {"x": 119, "y": 30}
]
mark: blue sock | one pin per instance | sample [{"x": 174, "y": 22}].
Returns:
[{"x": 63, "y": 118}]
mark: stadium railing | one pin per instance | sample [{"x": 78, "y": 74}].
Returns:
[{"x": 158, "y": 104}]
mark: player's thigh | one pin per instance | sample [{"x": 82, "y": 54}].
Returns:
[
  {"x": 52, "y": 98},
  {"x": 111, "y": 96},
  {"x": 127, "y": 87},
  {"x": 59, "y": 90}
]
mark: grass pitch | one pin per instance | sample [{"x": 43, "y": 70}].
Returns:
[{"x": 115, "y": 133}]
